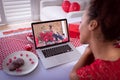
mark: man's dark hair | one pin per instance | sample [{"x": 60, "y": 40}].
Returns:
[{"x": 50, "y": 26}]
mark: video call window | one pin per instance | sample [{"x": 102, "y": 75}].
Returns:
[{"x": 50, "y": 33}]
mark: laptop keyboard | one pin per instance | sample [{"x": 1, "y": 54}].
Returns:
[{"x": 56, "y": 50}]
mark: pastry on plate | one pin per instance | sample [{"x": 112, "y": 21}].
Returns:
[{"x": 16, "y": 64}]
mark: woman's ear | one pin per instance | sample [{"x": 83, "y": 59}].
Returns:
[{"x": 93, "y": 25}]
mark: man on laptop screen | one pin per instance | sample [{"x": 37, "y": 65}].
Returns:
[{"x": 47, "y": 34}]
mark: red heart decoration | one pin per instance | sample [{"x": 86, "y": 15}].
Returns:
[
  {"x": 69, "y": 7},
  {"x": 28, "y": 47},
  {"x": 74, "y": 7},
  {"x": 66, "y": 6},
  {"x": 30, "y": 35}
]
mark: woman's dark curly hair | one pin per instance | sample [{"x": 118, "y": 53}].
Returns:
[{"x": 107, "y": 13}]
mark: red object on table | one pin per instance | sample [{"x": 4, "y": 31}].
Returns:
[
  {"x": 28, "y": 47},
  {"x": 74, "y": 30}
]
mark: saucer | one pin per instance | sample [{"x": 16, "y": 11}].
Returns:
[{"x": 30, "y": 62}]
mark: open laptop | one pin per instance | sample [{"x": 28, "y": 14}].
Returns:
[{"x": 52, "y": 43}]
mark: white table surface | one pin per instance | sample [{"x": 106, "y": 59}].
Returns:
[{"x": 40, "y": 73}]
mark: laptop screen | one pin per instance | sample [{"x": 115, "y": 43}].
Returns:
[{"x": 49, "y": 33}]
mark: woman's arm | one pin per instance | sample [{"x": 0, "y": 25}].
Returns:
[{"x": 86, "y": 59}]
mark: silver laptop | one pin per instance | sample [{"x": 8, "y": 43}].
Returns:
[{"x": 52, "y": 43}]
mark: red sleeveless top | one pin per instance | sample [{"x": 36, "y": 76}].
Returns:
[{"x": 100, "y": 70}]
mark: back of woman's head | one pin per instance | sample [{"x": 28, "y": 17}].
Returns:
[{"x": 107, "y": 13}]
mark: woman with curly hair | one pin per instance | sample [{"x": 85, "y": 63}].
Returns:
[{"x": 100, "y": 28}]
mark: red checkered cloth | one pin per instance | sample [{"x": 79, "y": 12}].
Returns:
[
  {"x": 15, "y": 43},
  {"x": 12, "y": 44},
  {"x": 75, "y": 42}
]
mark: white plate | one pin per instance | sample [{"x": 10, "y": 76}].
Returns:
[{"x": 30, "y": 59}]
